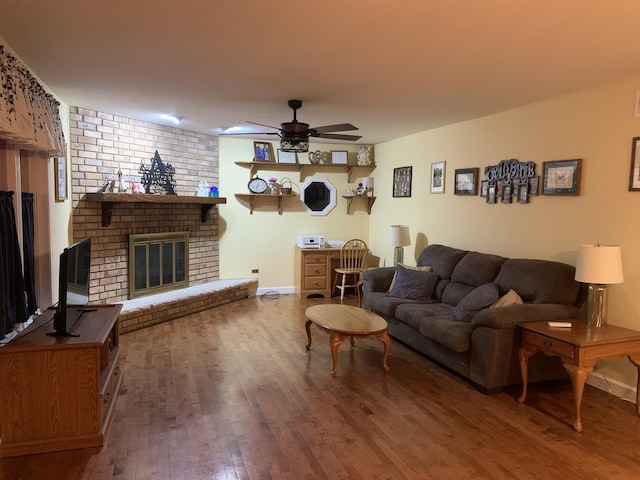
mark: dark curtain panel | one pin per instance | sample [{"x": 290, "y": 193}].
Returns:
[
  {"x": 13, "y": 307},
  {"x": 28, "y": 239}
]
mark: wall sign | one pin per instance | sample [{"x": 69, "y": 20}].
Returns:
[{"x": 508, "y": 180}]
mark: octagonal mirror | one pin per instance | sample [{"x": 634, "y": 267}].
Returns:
[{"x": 318, "y": 195}]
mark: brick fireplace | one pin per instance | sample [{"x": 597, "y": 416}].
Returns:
[{"x": 101, "y": 144}]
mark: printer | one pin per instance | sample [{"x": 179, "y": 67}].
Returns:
[{"x": 310, "y": 241}]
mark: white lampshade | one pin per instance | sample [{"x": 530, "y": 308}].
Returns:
[
  {"x": 399, "y": 236},
  {"x": 599, "y": 264}
]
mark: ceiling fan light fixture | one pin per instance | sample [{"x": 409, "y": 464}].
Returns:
[{"x": 296, "y": 146}]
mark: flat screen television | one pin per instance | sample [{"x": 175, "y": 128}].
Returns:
[{"x": 73, "y": 286}]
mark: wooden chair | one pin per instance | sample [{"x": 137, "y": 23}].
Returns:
[{"x": 354, "y": 256}]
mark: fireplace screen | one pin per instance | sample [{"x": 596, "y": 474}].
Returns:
[{"x": 158, "y": 262}]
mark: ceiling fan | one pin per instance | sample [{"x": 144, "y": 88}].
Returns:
[{"x": 294, "y": 135}]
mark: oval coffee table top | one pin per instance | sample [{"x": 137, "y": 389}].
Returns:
[{"x": 346, "y": 319}]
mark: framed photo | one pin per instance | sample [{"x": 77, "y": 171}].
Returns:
[
  {"x": 484, "y": 188},
  {"x": 561, "y": 177},
  {"x": 491, "y": 193},
  {"x": 60, "y": 173},
  {"x": 263, "y": 152},
  {"x": 402, "y": 181},
  {"x": 523, "y": 193},
  {"x": 634, "y": 174},
  {"x": 339, "y": 157},
  {"x": 506, "y": 193},
  {"x": 533, "y": 186},
  {"x": 466, "y": 181},
  {"x": 287, "y": 157},
  {"x": 437, "y": 177}
]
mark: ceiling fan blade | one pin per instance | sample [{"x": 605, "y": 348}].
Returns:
[
  {"x": 250, "y": 133},
  {"x": 342, "y": 127},
  {"x": 262, "y": 125},
  {"x": 336, "y": 136}
]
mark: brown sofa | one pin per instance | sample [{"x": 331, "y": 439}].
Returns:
[{"x": 446, "y": 314}]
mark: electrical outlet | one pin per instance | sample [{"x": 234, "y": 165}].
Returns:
[{"x": 255, "y": 270}]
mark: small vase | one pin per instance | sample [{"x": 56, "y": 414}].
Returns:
[{"x": 273, "y": 188}]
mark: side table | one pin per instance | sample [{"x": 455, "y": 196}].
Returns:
[{"x": 579, "y": 347}]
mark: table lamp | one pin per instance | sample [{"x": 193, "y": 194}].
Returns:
[
  {"x": 399, "y": 238},
  {"x": 598, "y": 265}
]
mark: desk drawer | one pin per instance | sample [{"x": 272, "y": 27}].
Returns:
[
  {"x": 315, "y": 270},
  {"x": 550, "y": 345},
  {"x": 315, "y": 283},
  {"x": 315, "y": 258}
]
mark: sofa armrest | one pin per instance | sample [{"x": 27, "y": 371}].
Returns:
[
  {"x": 377, "y": 279},
  {"x": 512, "y": 315}
]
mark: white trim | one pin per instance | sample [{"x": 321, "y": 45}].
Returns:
[{"x": 611, "y": 386}]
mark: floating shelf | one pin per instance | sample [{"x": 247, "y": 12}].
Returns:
[
  {"x": 251, "y": 197},
  {"x": 350, "y": 198},
  {"x": 110, "y": 202},
  {"x": 305, "y": 168}
]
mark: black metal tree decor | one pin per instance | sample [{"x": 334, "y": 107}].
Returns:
[{"x": 159, "y": 176}]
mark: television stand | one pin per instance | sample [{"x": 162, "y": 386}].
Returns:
[{"x": 59, "y": 392}]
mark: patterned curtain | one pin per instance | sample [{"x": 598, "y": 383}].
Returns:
[
  {"x": 29, "y": 116},
  {"x": 13, "y": 307}
]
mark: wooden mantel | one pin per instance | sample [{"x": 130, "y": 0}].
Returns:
[{"x": 111, "y": 200}]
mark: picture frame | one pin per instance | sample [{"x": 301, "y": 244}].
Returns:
[
  {"x": 339, "y": 157},
  {"x": 466, "y": 181},
  {"x": 438, "y": 170},
  {"x": 263, "y": 152},
  {"x": 634, "y": 172},
  {"x": 484, "y": 188},
  {"x": 402, "y": 181},
  {"x": 60, "y": 174},
  {"x": 506, "y": 193},
  {"x": 523, "y": 193},
  {"x": 287, "y": 157},
  {"x": 533, "y": 186},
  {"x": 491, "y": 193},
  {"x": 561, "y": 177}
]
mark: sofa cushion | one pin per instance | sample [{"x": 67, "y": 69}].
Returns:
[
  {"x": 443, "y": 260},
  {"x": 414, "y": 313},
  {"x": 473, "y": 270},
  {"x": 382, "y": 303},
  {"x": 509, "y": 298},
  {"x": 479, "y": 298},
  {"x": 455, "y": 336},
  {"x": 418, "y": 268},
  {"x": 413, "y": 284},
  {"x": 539, "y": 281}
]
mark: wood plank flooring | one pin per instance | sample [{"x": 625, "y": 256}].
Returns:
[{"x": 231, "y": 393}]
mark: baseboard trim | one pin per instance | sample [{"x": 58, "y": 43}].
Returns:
[{"x": 612, "y": 386}]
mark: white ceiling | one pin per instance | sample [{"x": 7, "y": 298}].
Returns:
[{"x": 390, "y": 68}]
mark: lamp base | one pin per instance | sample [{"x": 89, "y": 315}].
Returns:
[
  {"x": 597, "y": 303},
  {"x": 398, "y": 255}
]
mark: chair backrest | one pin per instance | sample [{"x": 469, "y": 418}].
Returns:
[{"x": 354, "y": 254}]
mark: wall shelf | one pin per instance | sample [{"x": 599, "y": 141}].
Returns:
[
  {"x": 350, "y": 198},
  {"x": 307, "y": 168},
  {"x": 110, "y": 202},
  {"x": 252, "y": 197}
]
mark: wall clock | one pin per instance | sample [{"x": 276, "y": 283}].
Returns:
[{"x": 257, "y": 185}]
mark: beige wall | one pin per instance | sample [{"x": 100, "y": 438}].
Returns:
[
  {"x": 596, "y": 125},
  {"x": 266, "y": 240}
]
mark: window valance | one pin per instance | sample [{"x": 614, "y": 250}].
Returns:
[{"x": 29, "y": 116}]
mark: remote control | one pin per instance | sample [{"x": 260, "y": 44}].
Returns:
[{"x": 559, "y": 324}]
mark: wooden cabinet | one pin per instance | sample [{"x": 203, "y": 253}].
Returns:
[
  {"x": 58, "y": 393},
  {"x": 314, "y": 271}
]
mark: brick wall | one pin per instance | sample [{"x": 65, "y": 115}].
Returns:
[{"x": 101, "y": 144}]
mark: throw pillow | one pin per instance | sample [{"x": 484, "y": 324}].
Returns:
[
  {"x": 509, "y": 298},
  {"x": 479, "y": 298},
  {"x": 413, "y": 284},
  {"x": 420, "y": 269}
]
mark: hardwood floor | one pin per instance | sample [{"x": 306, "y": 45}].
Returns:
[{"x": 231, "y": 393}]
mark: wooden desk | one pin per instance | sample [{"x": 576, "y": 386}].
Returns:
[
  {"x": 579, "y": 347},
  {"x": 58, "y": 393},
  {"x": 314, "y": 271}
]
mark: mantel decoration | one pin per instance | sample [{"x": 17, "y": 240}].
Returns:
[
  {"x": 158, "y": 176},
  {"x": 509, "y": 179},
  {"x": 29, "y": 116}
]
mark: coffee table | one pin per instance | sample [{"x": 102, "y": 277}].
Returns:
[{"x": 343, "y": 321}]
